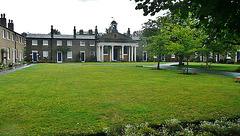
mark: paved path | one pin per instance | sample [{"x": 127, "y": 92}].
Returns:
[
  {"x": 214, "y": 72},
  {"x": 15, "y": 69}
]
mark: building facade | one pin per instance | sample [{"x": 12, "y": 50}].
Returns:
[
  {"x": 11, "y": 43},
  {"x": 83, "y": 46}
]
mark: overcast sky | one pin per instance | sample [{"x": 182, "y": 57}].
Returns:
[{"x": 37, "y": 16}]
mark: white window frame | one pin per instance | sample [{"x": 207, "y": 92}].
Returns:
[
  {"x": 82, "y": 43},
  {"x": 59, "y": 42},
  {"x": 45, "y": 54},
  {"x": 92, "y": 53},
  {"x": 69, "y": 42},
  {"x": 12, "y": 37},
  {"x": 92, "y": 43},
  {"x": 4, "y": 34},
  {"x": 8, "y": 35},
  {"x": 69, "y": 54},
  {"x": 173, "y": 56},
  {"x": 8, "y": 52},
  {"x": 35, "y": 42},
  {"x": 45, "y": 42}
]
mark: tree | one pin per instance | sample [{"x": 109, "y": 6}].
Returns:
[
  {"x": 158, "y": 45},
  {"x": 220, "y": 17},
  {"x": 56, "y": 31},
  {"x": 185, "y": 41}
]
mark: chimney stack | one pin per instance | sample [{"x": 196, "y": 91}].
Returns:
[
  {"x": 51, "y": 31},
  {"x": 90, "y": 32},
  {"x": 128, "y": 32},
  {"x": 3, "y": 20},
  {"x": 11, "y": 25},
  {"x": 81, "y": 32},
  {"x": 74, "y": 32},
  {"x": 96, "y": 31}
]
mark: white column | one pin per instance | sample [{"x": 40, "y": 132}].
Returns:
[
  {"x": 132, "y": 54},
  {"x": 129, "y": 55},
  {"x": 102, "y": 53},
  {"x": 135, "y": 54},
  {"x": 99, "y": 59},
  {"x": 122, "y": 53},
  {"x": 112, "y": 53}
]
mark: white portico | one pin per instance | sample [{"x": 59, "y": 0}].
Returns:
[{"x": 116, "y": 51}]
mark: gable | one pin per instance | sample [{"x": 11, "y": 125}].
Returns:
[{"x": 116, "y": 36}]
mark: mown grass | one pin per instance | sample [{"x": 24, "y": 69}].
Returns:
[
  {"x": 48, "y": 99},
  {"x": 123, "y": 63},
  {"x": 215, "y": 66}
]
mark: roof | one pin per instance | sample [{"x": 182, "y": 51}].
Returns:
[
  {"x": 10, "y": 30},
  {"x": 116, "y": 37},
  {"x": 48, "y": 36}
]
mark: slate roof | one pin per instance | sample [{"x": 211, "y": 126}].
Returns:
[{"x": 62, "y": 36}]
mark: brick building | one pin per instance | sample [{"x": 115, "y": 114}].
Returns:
[
  {"x": 83, "y": 46},
  {"x": 11, "y": 43}
]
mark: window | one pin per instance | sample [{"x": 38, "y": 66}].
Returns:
[
  {"x": 105, "y": 50},
  {"x": 8, "y": 35},
  {"x": 125, "y": 50},
  {"x": 69, "y": 54},
  {"x": 45, "y": 54},
  {"x": 45, "y": 42},
  {"x": 69, "y": 43},
  {"x": 4, "y": 34},
  {"x": 173, "y": 56},
  {"x": 12, "y": 37},
  {"x": 8, "y": 52},
  {"x": 34, "y": 42},
  {"x": 92, "y": 43},
  {"x": 59, "y": 42},
  {"x": 20, "y": 40},
  {"x": 82, "y": 43}
]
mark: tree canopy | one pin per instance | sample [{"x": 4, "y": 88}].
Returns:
[{"x": 218, "y": 17}]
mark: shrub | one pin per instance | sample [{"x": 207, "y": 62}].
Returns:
[{"x": 229, "y": 62}]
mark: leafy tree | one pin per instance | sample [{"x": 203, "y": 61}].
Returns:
[
  {"x": 56, "y": 31},
  {"x": 220, "y": 17},
  {"x": 158, "y": 45},
  {"x": 185, "y": 41}
]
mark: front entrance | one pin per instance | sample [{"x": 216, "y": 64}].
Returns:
[
  {"x": 115, "y": 54},
  {"x": 144, "y": 56},
  {"x": 59, "y": 57},
  {"x": 82, "y": 56}
]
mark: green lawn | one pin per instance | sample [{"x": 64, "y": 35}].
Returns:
[
  {"x": 214, "y": 66},
  {"x": 123, "y": 63},
  {"x": 48, "y": 99}
]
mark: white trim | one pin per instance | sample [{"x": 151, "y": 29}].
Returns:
[
  {"x": 34, "y": 42},
  {"x": 46, "y": 43},
  {"x": 82, "y": 43},
  {"x": 228, "y": 55},
  {"x": 14, "y": 55},
  {"x": 92, "y": 44},
  {"x": 59, "y": 42},
  {"x": 143, "y": 55},
  {"x": 34, "y": 51},
  {"x": 68, "y": 55},
  {"x": 69, "y": 42},
  {"x": 61, "y": 57},
  {"x": 117, "y": 44},
  {"x": 81, "y": 56}
]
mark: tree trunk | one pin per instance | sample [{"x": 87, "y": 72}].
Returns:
[
  {"x": 187, "y": 65},
  {"x": 180, "y": 60},
  {"x": 207, "y": 61},
  {"x": 159, "y": 58}
]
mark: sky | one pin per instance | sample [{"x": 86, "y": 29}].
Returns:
[{"x": 37, "y": 16}]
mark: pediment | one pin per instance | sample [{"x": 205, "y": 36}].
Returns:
[{"x": 115, "y": 36}]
